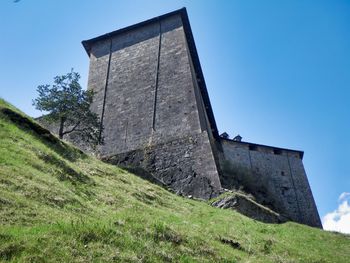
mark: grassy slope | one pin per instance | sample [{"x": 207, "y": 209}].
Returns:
[{"x": 59, "y": 205}]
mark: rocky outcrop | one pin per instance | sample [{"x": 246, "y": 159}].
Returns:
[
  {"x": 181, "y": 164},
  {"x": 248, "y": 207}
]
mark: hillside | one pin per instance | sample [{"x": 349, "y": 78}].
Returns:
[{"x": 59, "y": 205}]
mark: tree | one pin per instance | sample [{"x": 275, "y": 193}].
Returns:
[{"x": 68, "y": 106}]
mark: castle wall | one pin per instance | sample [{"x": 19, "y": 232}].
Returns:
[
  {"x": 129, "y": 95},
  {"x": 131, "y": 102},
  {"x": 177, "y": 111},
  {"x": 180, "y": 164},
  {"x": 147, "y": 95},
  {"x": 309, "y": 214},
  {"x": 275, "y": 177}
]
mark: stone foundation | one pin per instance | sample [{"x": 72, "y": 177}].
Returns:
[{"x": 180, "y": 164}]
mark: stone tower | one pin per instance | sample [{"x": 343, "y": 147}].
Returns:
[
  {"x": 151, "y": 96},
  {"x": 152, "y": 99}
]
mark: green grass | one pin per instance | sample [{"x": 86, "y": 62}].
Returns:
[{"x": 59, "y": 205}]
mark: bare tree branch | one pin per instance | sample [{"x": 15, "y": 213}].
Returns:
[{"x": 71, "y": 130}]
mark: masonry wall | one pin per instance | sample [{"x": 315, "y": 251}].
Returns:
[
  {"x": 147, "y": 95},
  {"x": 275, "y": 177},
  {"x": 180, "y": 164},
  {"x": 134, "y": 115},
  {"x": 127, "y": 93}
]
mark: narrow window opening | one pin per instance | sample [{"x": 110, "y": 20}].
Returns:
[
  {"x": 277, "y": 151},
  {"x": 253, "y": 148}
]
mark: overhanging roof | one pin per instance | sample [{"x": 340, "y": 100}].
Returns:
[{"x": 192, "y": 48}]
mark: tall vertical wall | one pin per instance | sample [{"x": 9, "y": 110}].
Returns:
[
  {"x": 276, "y": 178},
  {"x": 147, "y": 95}
]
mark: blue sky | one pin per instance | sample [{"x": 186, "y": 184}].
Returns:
[{"x": 278, "y": 72}]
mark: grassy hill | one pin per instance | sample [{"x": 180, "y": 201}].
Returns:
[{"x": 59, "y": 205}]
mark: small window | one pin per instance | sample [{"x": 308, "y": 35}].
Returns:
[
  {"x": 253, "y": 148},
  {"x": 277, "y": 151}
]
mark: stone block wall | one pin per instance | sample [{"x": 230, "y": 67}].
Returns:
[
  {"x": 274, "y": 176},
  {"x": 147, "y": 93},
  {"x": 144, "y": 101},
  {"x": 180, "y": 164},
  {"x": 127, "y": 94}
]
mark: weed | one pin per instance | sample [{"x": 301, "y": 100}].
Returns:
[{"x": 164, "y": 233}]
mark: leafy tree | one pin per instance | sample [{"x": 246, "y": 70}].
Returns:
[{"x": 69, "y": 106}]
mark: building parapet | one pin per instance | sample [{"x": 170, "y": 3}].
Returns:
[{"x": 265, "y": 148}]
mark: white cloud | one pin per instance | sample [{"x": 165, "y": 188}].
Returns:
[
  {"x": 343, "y": 196},
  {"x": 339, "y": 219}
]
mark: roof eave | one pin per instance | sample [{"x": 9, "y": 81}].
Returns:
[{"x": 87, "y": 43}]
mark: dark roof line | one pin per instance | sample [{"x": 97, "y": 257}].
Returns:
[
  {"x": 301, "y": 153},
  {"x": 87, "y": 43},
  {"x": 193, "y": 51}
]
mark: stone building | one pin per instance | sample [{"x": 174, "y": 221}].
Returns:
[
  {"x": 154, "y": 105},
  {"x": 153, "y": 102}
]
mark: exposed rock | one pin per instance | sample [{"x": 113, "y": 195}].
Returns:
[
  {"x": 248, "y": 207},
  {"x": 167, "y": 164},
  {"x": 232, "y": 243}
]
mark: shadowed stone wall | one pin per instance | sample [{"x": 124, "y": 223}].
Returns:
[
  {"x": 149, "y": 100},
  {"x": 180, "y": 164},
  {"x": 275, "y": 177}
]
